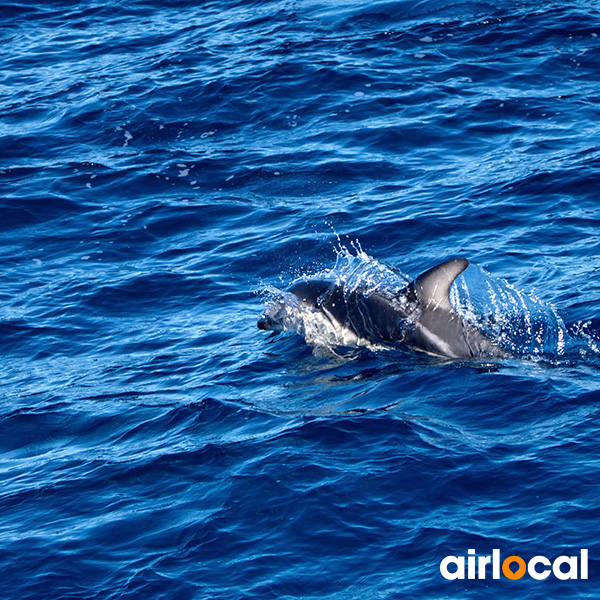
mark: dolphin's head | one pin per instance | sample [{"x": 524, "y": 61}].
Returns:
[{"x": 273, "y": 316}]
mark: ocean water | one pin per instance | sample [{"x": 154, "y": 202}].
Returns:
[{"x": 162, "y": 165}]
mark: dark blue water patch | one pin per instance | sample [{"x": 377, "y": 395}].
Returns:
[
  {"x": 148, "y": 292},
  {"x": 64, "y": 517},
  {"x": 26, "y": 211},
  {"x": 20, "y": 337}
]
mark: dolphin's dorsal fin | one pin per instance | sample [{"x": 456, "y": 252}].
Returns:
[{"x": 432, "y": 288}]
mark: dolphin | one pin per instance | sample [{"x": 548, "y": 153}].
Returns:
[{"x": 420, "y": 316}]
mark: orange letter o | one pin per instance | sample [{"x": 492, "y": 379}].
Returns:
[{"x": 519, "y": 572}]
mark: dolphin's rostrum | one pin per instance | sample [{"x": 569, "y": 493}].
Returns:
[{"x": 420, "y": 316}]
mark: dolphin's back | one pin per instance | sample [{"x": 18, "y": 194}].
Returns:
[{"x": 369, "y": 315}]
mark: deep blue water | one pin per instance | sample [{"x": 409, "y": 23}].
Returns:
[{"x": 161, "y": 165}]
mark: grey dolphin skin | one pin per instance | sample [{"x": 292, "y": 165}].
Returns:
[{"x": 420, "y": 316}]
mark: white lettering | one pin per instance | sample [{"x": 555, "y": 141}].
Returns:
[
  {"x": 459, "y": 561},
  {"x": 539, "y": 575},
  {"x": 496, "y": 563},
  {"x": 569, "y": 560},
  {"x": 539, "y": 567},
  {"x": 471, "y": 564},
  {"x": 483, "y": 560}
]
